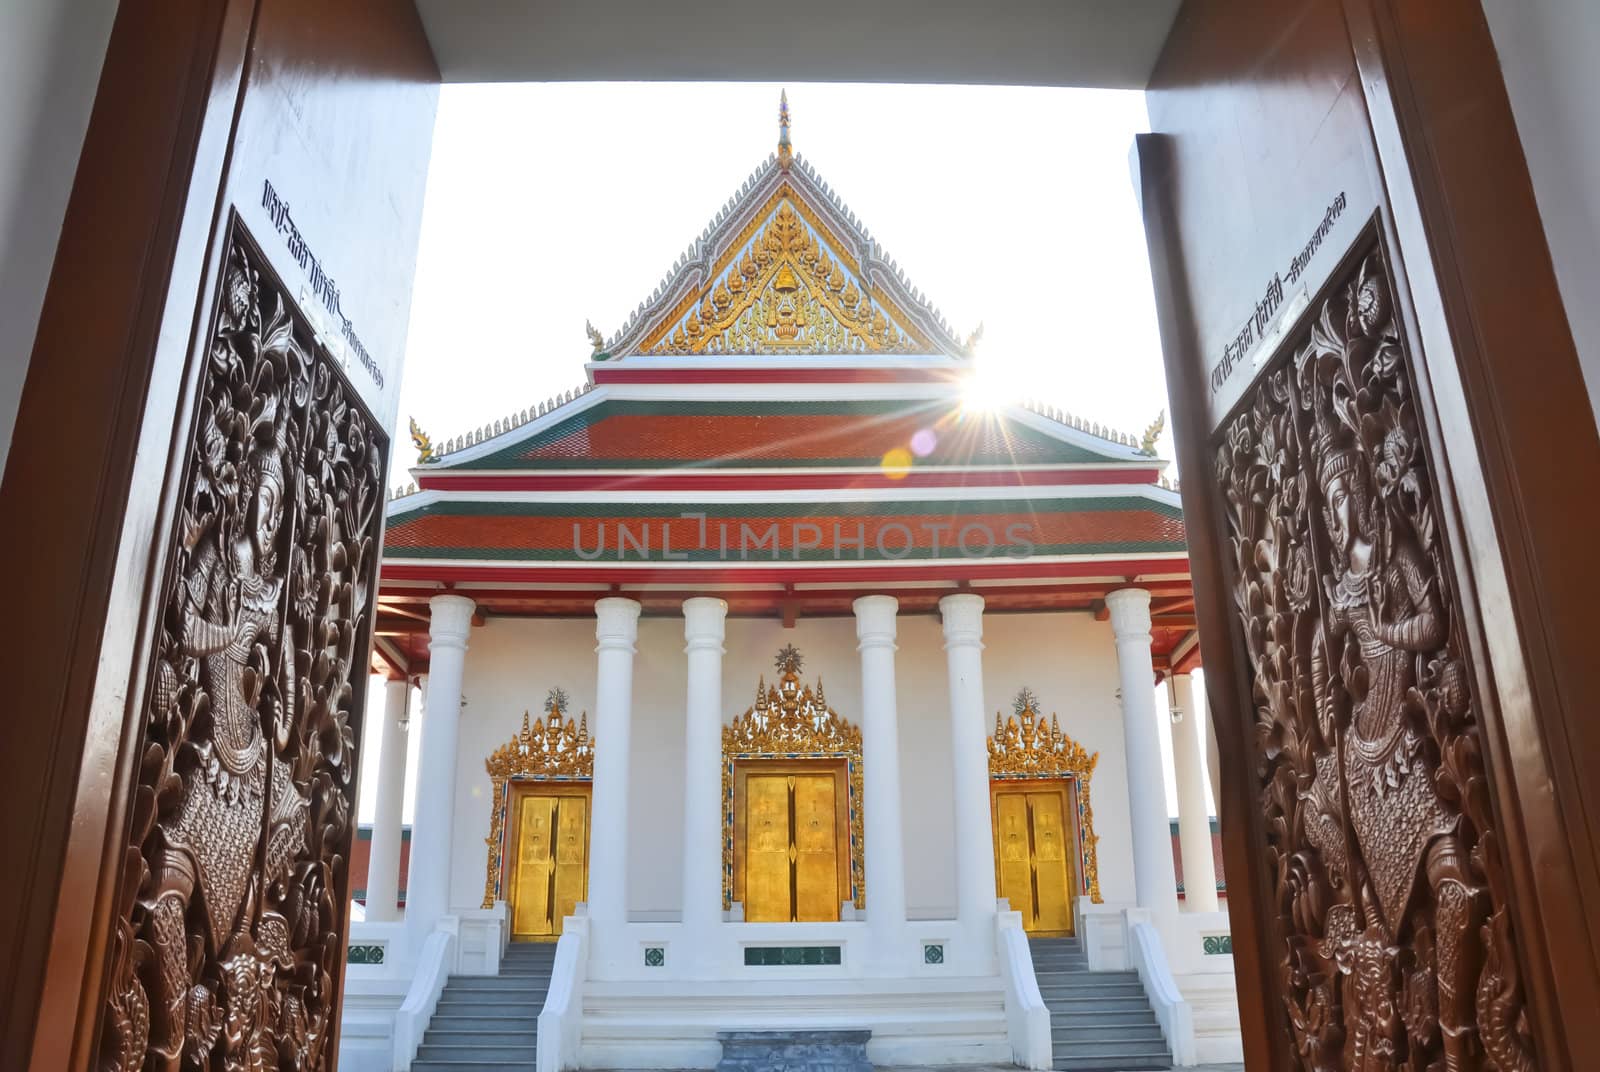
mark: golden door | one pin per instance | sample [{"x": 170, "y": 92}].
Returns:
[
  {"x": 1033, "y": 853},
  {"x": 550, "y": 870},
  {"x": 790, "y": 854}
]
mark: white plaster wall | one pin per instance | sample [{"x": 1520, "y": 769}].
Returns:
[
  {"x": 50, "y": 57},
  {"x": 1547, "y": 54},
  {"x": 1068, "y": 659}
]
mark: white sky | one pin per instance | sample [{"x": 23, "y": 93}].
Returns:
[{"x": 551, "y": 204}]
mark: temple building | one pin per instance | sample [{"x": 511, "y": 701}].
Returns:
[{"x": 765, "y": 682}]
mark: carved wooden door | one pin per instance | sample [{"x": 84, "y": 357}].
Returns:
[
  {"x": 1338, "y": 219},
  {"x": 222, "y": 344}
]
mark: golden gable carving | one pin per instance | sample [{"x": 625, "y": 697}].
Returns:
[{"x": 780, "y": 289}]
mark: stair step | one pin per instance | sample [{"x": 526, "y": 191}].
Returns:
[
  {"x": 1093, "y": 1036},
  {"x": 471, "y": 1021},
  {"x": 448, "y": 1006},
  {"x": 472, "y": 1065},
  {"x": 476, "y": 1052},
  {"x": 1102, "y": 1064},
  {"x": 497, "y": 982},
  {"x": 1072, "y": 1016},
  {"x": 1053, "y": 994},
  {"x": 488, "y": 1036}
]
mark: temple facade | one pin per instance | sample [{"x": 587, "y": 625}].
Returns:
[{"x": 764, "y": 682}]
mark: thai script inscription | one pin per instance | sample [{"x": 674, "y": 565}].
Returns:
[
  {"x": 1254, "y": 328},
  {"x": 322, "y": 284}
]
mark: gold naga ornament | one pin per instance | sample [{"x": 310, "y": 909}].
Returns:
[
  {"x": 548, "y": 749},
  {"x": 790, "y": 721},
  {"x": 1025, "y": 746}
]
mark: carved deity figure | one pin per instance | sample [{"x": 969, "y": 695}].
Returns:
[
  {"x": 1384, "y": 616},
  {"x": 232, "y": 595}
]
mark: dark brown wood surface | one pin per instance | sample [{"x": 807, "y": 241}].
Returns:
[
  {"x": 197, "y": 101},
  {"x": 1264, "y": 113}
]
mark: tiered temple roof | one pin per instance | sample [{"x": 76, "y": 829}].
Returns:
[{"x": 784, "y": 423}]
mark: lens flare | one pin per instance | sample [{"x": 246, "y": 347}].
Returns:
[
  {"x": 923, "y": 442},
  {"x": 896, "y": 463}
]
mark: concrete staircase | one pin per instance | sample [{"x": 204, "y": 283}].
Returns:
[
  {"x": 490, "y": 1023},
  {"x": 1099, "y": 1021}
]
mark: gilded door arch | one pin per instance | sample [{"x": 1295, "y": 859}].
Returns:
[
  {"x": 791, "y": 730},
  {"x": 550, "y": 761},
  {"x": 1040, "y": 805}
]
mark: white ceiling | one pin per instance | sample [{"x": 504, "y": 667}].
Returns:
[{"x": 1105, "y": 43}]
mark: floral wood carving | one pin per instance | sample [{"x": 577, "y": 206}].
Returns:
[
  {"x": 228, "y": 941},
  {"x": 548, "y": 748},
  {"x": 1033, "y": 748},
  {"x": 789, "y": 721},
  {"x": 1396, "y": 945}
]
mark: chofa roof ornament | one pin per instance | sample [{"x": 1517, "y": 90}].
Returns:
[{"x": 785, "y": 150}]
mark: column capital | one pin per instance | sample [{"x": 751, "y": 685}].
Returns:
[
  {"x": 449, "y": 620},
  {"x": 704, "y": 623},
  {"x": 875, "y": 621},
  {"x": 616, "y": 622},
  {"x": 962, "y": 616},
  {"x": 1130, "y": 613}
]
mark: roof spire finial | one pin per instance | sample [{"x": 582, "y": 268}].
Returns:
[{"x": 785, "y": 152}]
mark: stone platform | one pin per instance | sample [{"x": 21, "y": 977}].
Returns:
[{"x": 794, "y": 1051}]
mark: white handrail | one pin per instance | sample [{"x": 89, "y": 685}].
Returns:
[
  {"x": 561, "y": 1019},
  {"x": 1172, "y": 1010},
  {"x": 1027, "y": 1016},
  {"x": 433, "y": 971}
]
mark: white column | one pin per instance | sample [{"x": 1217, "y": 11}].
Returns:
[
  {"x": 880, "y": 757},
  {"x": 1194, "y": 820},
  {"x": 433, "y": 825},
  {"x": 969, "y": 784},
  {"x": 1213, "y": 762},
  {"x": 383, "y": 862},
  {"x": 704, "y": 624},
  {"x": 615, "y": 630},
  {"x": 1154, "y": 882}
]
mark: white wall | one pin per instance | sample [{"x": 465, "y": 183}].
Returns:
[
  {"x": 50, "y": 57},
  {"x": 1547, "y": 56},
  {"x": 1068, "y": 659}
]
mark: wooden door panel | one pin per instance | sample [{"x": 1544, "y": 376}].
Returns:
[{"x": 1370, "y": 375}]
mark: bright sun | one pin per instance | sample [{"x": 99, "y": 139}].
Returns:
[{"x": 989, "y": 388}]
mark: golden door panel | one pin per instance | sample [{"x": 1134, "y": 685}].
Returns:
[
  {"x": 767, "y": 895},
  {"x": 549, "y": 864},
  {"x": 817, "y": 855},
  {"x": 1034, "y": 853},
  {"x": 791, "y": 848}
]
